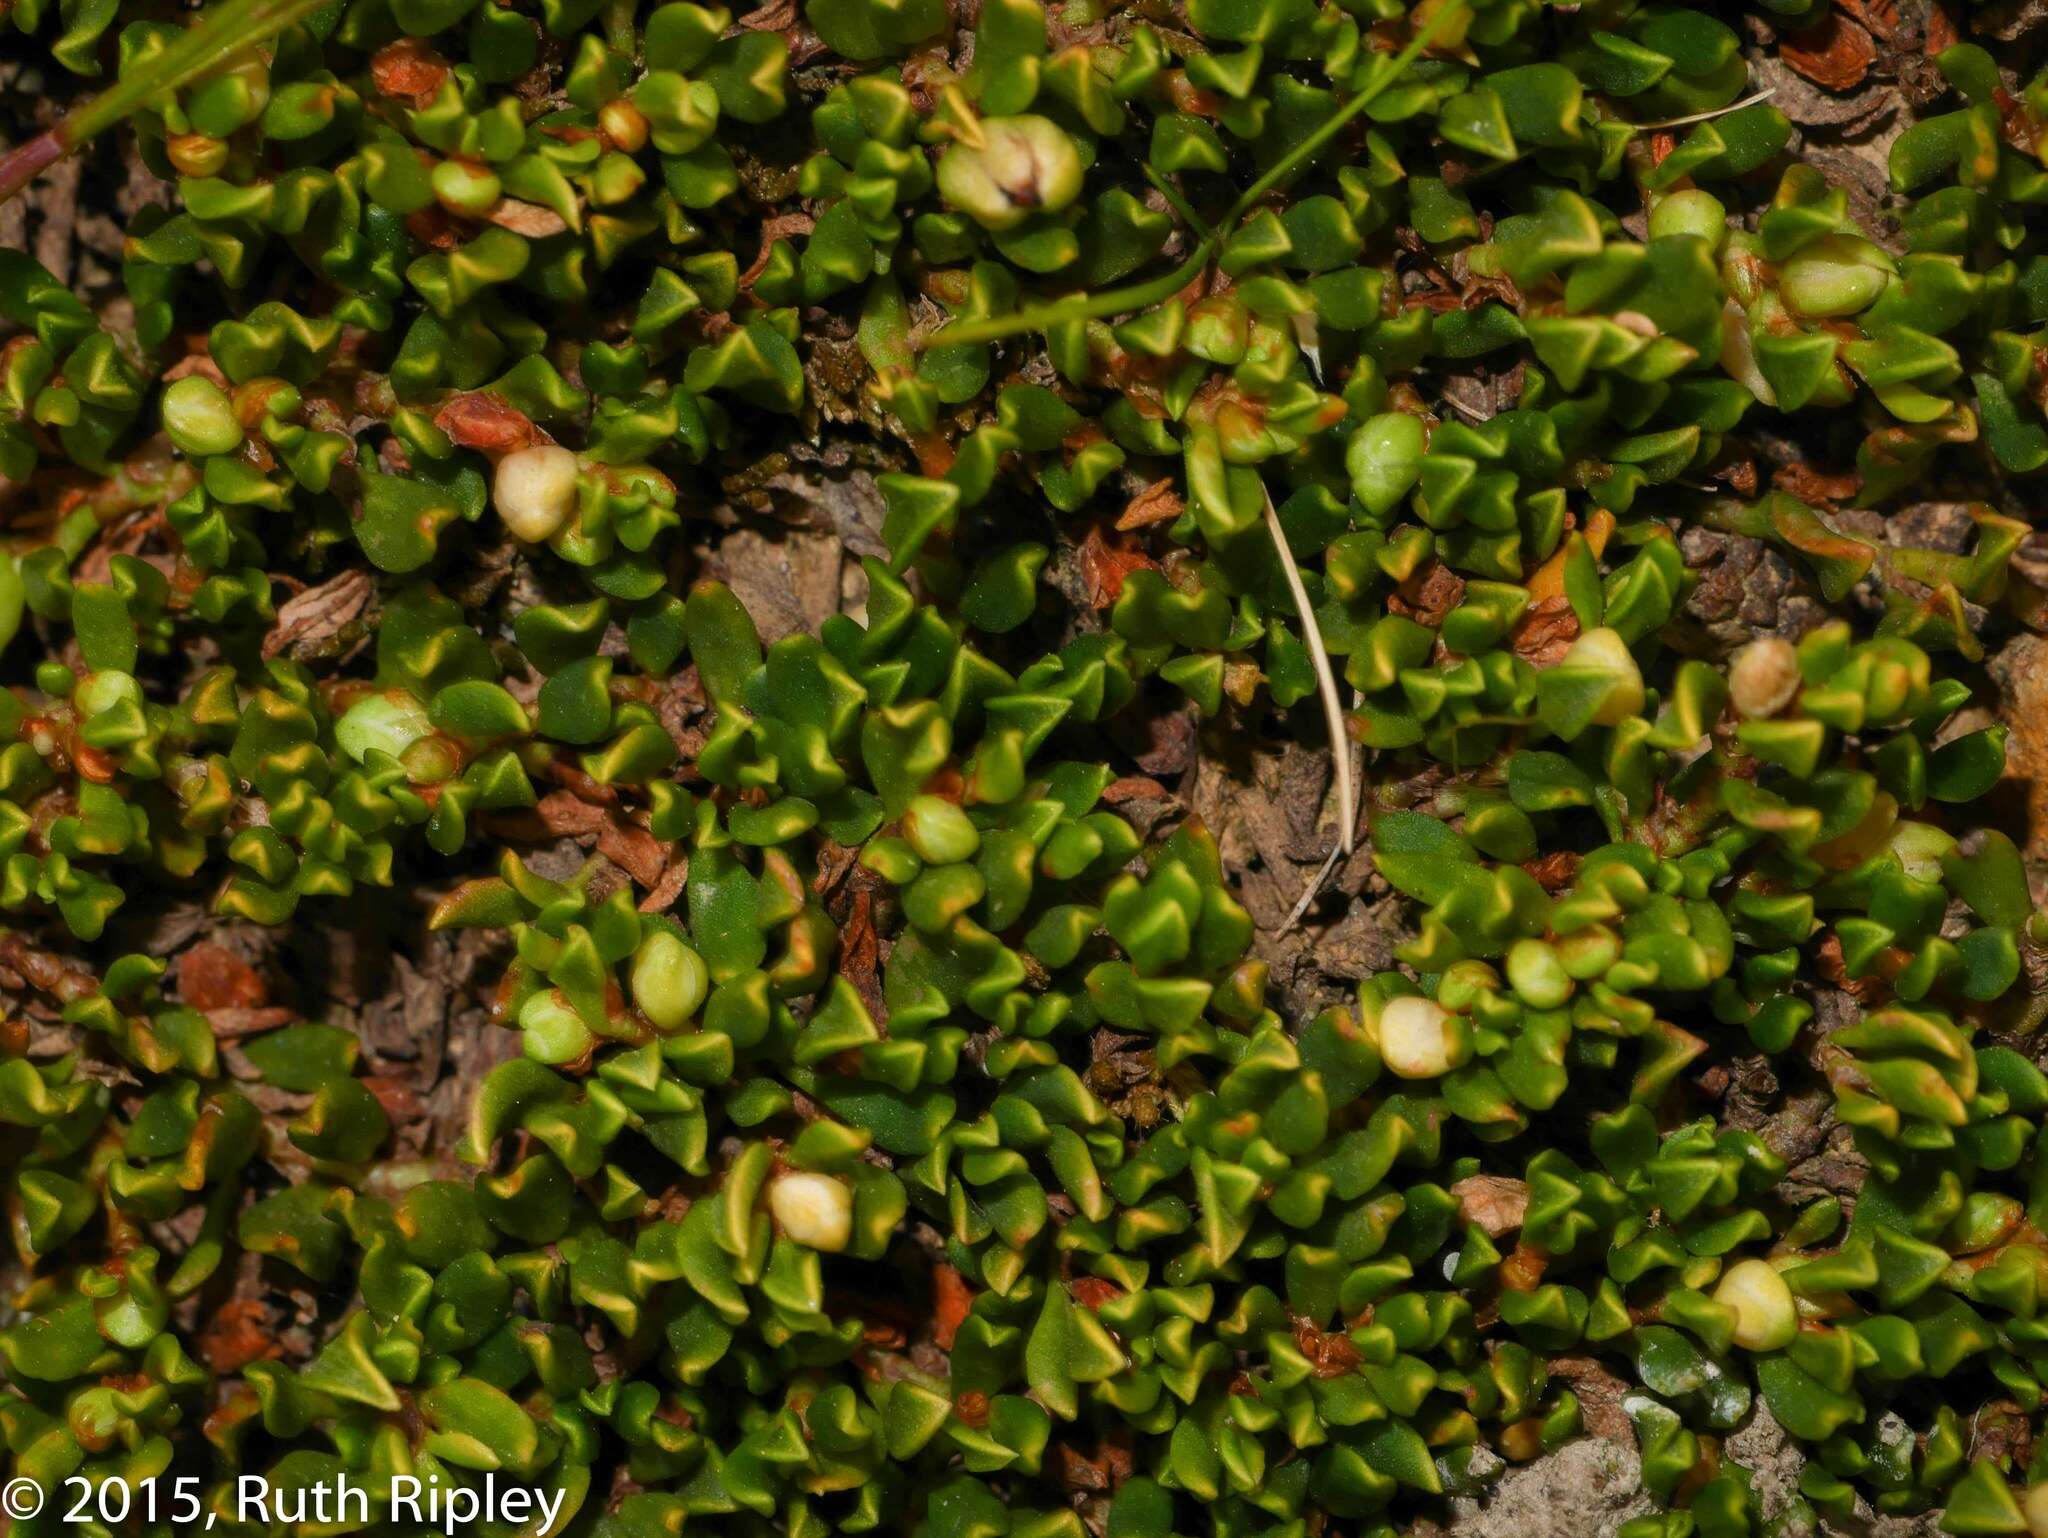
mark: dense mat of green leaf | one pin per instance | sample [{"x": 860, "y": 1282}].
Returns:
[{"x": 935, "y": 1137}]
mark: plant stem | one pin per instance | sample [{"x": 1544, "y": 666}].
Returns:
[
  {"x": 1179, "y": 204},
  {"x": 1326, "y": 677},
  {"x": 1701, "y": 117},
  {"x": 220, "y": 34},
  {"x": 1118, "y": 301}
]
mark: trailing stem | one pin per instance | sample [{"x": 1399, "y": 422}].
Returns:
[
  {"x": 218, "y": 36},
  {"x": 1138, "y": 296}
]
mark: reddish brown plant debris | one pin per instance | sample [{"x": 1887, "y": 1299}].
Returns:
[
  {"x": 1819, "y": 487},
  {"x": 1428, "y": 595},
  {"x": 237, "y": 1335},
  {"x": 1554, "y": 871},
  {"x": 1106, "y": 564},
  {"x": 1836, "y": 53},
  {"x": 1600, "y": 1395},
  {"x": 1545, "y": 631},
  {"x": 1104, "y": 1469},
  {"x": 1157, "y": 503},
  {"x": 527, "y": 219},
  {"x": 1522, "y": 1270},
  {"x": 407, "y": 68},
  {"x": 212, "y": 977},
  {"x": 1330, "y": 1352},
  {"x": 972, "y": 1408},
  {"x": 1091, "y": 1292},
  {"x": 951, "y": 1298},
  {"x": 1878, "y": 17},
  {"x": 485, "y": 421}
]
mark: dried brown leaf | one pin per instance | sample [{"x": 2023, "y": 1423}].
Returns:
[
  {"x": 669, "y": 887},
  {"x": 233, "y": 1023},
  {"x": 1546, "y": 631},
  {"x": 1104, "y": 566},
  {"x": 1497, "y": 1203},
  {"x": 407, "y": 69},
  {"x": 1835, "y": 53},
  {"x": 212, "y": 977},
  {"x": 1600, "y": 1394},
  {"x": 1157, "y": 503},
  {"x": 481, "y": 420},
  {"x": 318, "y": 614},
  {"x": 1428, "y": 595},
  {"x": 527, "y": 219},
  {"x": 634, "y": 850}
]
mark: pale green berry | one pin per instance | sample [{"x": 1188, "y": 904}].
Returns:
[
  {"x": 1763, "y": 677},
  {"x": 464, "y": 187},
  {"x": 1691, "y": 212},
  {"x": 1538, "y": 975},
  {"x": 1021, "y": 166},
  {"x": 199, "y": 418},
  {"x": 554, "y": 1033},
  {"x": 669, "y": 980},
  {"x": 939, "y": 831},
  {"x": 105, "y": 690},
  {"x": 1839, "y": 275},
  {"x": 389, "y": 722}
]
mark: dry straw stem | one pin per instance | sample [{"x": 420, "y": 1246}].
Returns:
[
  {"x": 1712, "y": 112},
  {"x": 1326, "y": 679}
]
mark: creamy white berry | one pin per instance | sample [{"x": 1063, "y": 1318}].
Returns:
[
  {"x": 1419, "y": 1039},
  {"x": 1763, "y": 676},
  {"x": 2036, "y": 1507},
  {"x": 669, "y": 980},
  {"x": 814, "y": 1210},
  {"x": 1766, "y": 1318},
  {"x": 535, "y": 491}
]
